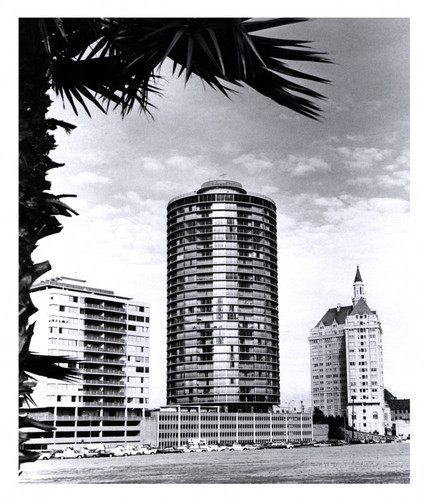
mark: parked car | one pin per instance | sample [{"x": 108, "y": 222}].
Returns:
[
  {"x": 105, "y": 452},
  {"x": 198, "y": 448},
  {"x": 323, "y": 444},
  {"x": 169, "y": 450},
  {"x": 237, "y": 447},
  {"x": 253, "y": 447},
  {"x": 280, "y": 444},
  {"x": 185, "y": 449},
  {"x": 69, "y": 453},
  {"x": 130, "y": 450},
  {"x": 145, "y": 450},
  {"x": 119, "y": 451},
  {"x": 46, "y": 455},
  {"x": 89, "y": 453}
]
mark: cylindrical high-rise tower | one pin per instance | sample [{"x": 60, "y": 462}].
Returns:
[{"x": 222, "y": 299}]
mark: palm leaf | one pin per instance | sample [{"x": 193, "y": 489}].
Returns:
[
  {"x": 271, "y": 23},
  {"x": 25, "y": 421},
  {"x": 49, "y": 366},
  {"x": 120, "y": 57}
]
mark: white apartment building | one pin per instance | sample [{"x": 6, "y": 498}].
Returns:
[
  {"x": 328, "y": 362},
  {"x": 347, "y": 364},
  {"x": 366, "y": 408},
  {"x": 108, "y": 335}
]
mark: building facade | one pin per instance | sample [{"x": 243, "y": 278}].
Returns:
[
  {"x": 400, "y": 413},
  {"x": 108, "y": 335},
  {"x": 222, "y": 331},
  {"x": 175, "y": 426},
  {"x": 347, "y": 364}
]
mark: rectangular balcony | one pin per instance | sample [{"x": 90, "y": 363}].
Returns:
[
  {"x": 100, "y": 317},
  {"x": 102, "y": 382},
  {"x": 90, "y": 348},
  {"x": 123, "y": 331},
  {"x": 90, "y": 305},
  {"x": 90, "y": 359},
  {"x": 100, "y": 370},
  {"x": 101, "y": 403},
  {"x": 103, "y": 393},
  {"x": 104, "y": 338}
]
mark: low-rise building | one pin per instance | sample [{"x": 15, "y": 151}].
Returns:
[
  {"x": 176, "y": 425},
  {"x": 400, "y": 413}
]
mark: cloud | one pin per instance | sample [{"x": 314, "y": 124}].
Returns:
[
  {"x": 355, "y": 138},
  {"x": 180, "y": 162},
  {"x": 396, "y": 179},
  {"x": 399, "y": 179},
  {"x": 230, "y": 148},
  {"x": 269, "y": 190},
  {"x": 401, "y": 162},
  {"x": 129, "y": 196},
  {"x": 299, "y": 166},
  {"x": 151, "y": 164},
  {"x": 360, "y": 158},
  {"x": 89, "y": 178},
  {"x": 328, "y": 202},
  {"x": 364, "y": 181},
  {"x": 394, "y": 174},
  {"x": 254, "y": 163}
]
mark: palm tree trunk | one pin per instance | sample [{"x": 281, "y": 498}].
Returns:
[
  {"x": 34, "y": 147},
  {"x": 37, "y": 207}
]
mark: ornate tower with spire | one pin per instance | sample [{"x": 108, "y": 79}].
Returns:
[
  {"x": 347, "y": 364},
  {"x": 358, "y": 287}
]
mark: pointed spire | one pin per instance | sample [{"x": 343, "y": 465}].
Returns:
[
  {"x": 358, "y": 275},
  {"x": 358, "y": 288}
]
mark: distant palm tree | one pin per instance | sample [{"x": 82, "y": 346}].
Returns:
[{"x": 116, "y": 62}]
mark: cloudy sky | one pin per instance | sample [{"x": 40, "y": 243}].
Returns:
[{"x": 341, "y": 187}]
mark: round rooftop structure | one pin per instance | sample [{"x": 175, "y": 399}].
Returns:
[{"x": 221, "y": 184}]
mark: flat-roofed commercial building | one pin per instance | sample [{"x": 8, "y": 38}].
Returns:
[
  {"x": 175, "y": 426},
  {"x": 108, "y": 335},
  {"x": 222, "y": 334}
]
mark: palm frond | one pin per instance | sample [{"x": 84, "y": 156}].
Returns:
[
  {"x": 264, "y": 24},
  {"x": 27, "y": 455},
  {"x": 114, "y": 61},
  {"x": 25, "y": 421},
  {"x": 50, "y": 366}
]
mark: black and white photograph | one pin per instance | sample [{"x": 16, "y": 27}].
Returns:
[{"x": 217, "y": 258}]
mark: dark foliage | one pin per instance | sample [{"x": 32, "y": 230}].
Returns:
[{"x": 335, "y": 424}]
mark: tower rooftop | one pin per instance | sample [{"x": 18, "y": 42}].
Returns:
[
  {"x": 358, "y": 275},
  {"x": 221, "y": 184}
]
